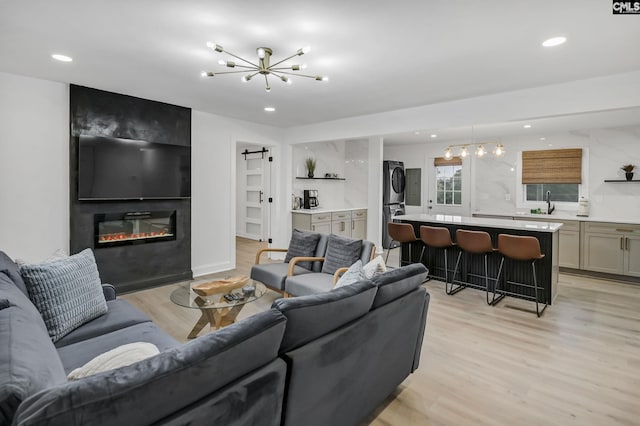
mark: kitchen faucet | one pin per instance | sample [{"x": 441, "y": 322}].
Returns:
[{"x": 550, "y": 208}]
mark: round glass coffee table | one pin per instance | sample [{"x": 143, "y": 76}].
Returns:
[{"x": 216, "y": 310}]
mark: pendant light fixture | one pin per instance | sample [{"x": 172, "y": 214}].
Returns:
[{"x": 480, "y": 151}]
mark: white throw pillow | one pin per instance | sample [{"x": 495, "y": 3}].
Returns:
[
  {"x": 119, "y": 357},
  {"x": 375, "y": 267},
  {"x": 354, "y": 274}
]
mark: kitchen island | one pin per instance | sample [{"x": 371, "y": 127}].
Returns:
[{"x": 546, "y": 232}]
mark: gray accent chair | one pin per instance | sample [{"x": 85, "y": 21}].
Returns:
[
  {"x": 348, "y": 349},
  {"x": 232, "y": 377},
  {"x": 316, "y": 282},
  {"x": 289, "y": 279},
  {"x": 273, "y": 275}
]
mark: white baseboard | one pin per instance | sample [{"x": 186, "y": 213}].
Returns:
[{"x": 212, "y": 268}]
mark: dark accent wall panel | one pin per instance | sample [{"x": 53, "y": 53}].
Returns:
[{"x": 99, "y": 113}]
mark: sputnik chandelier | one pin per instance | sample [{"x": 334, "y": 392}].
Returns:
[{"x": 263, "y": 66}]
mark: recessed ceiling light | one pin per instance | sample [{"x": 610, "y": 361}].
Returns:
[
  {"x": 550, "y": 144},
  {"x": 416, "y": 133},
  {"x": 433, "y": 135},
  {"x": 269, "y": 109},
  {"x": 554, "y": 41},
  {"x": 527, "y": 126},
  {"x": 62, "y": 58},
  {"x": 543, "y": 139}
]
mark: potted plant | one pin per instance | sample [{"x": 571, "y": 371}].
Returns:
[
  {"x": 311, "y": 166},
  {"x": 628, "y": 171}
]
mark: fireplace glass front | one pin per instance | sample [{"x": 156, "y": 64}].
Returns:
[{"x": 115, "y": 229}]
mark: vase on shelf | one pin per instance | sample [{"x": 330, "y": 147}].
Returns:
[
  {"x": 310, "y": 175},
  {"x": 629, "y": 176}
]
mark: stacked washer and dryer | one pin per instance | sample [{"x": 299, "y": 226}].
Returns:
[{"x": 392, "y": 196}]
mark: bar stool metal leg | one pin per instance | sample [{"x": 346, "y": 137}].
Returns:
[
  {"x": 496, "y": 289},
  {"x": 535, "y": 285},
  {"x": 449, "y": 289}
]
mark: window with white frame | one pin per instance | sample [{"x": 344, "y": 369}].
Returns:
[
  {"x": 557, "y": 172},
  {"x": 448, "y": 181}
]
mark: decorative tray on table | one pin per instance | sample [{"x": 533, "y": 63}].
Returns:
[{"x": 220, "y": 286}]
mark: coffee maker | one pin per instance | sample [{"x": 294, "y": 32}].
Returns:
[{"x": 311, "y": 199}]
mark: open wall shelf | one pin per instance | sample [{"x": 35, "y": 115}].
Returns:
[
  {"x": 321, "y": 178},
  {"x": 620, "y": 180}
]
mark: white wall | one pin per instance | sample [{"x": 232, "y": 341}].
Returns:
[
  {"x": 349, "y": 159},
  {"x": 213, "y": 180},
  {"x": 34, "y": 167},
  {"x": 493, "y": 180}
]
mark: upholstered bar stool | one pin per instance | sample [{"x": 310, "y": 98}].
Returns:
[
  {"x": 475, "y": 243},
  {"x": 400, "y": 233},
  {"x": 523, "y": 249},
  {"x": 438, "y": 238}
]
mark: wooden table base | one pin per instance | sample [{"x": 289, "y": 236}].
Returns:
[{"x": 215, "y": 317}]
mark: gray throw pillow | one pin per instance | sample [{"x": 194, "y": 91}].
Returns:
[
  {"x": 302, "y": 244},
  {"x": 341, "y": 252},
  {"x": 67, "y": 292}
]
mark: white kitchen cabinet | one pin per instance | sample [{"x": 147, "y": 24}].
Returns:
[{"x": 612, "y": 248}]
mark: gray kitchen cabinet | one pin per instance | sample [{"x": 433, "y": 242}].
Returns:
[
  {"x": 569, "y": 245},
  {"x": 632, "y": 255},
  {"x": 568, "y": 241},
  {"x": 341, "y": 223},
  {"x": 346, "y": 223},
  {"x": 359, "y": 224},
  {"x": 316, "y": 222},
  {"x": 612, "y": 248}
]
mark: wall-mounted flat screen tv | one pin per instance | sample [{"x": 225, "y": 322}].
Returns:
[{"x": 127, "y": 169}]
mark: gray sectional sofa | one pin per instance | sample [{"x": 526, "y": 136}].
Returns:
[{"x": 305, "y": 361}]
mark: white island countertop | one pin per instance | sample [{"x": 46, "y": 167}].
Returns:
[
  {"x": 323, "y": 210},
  {"x": 520, "y": 225},
  {"x": 556, "y": 215}
]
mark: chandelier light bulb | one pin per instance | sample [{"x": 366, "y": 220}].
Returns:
[
  {"x": 480, "y": 152},
  {"x": 203, "y": 74},
  {"x": 447, "y": 153},
  {"x": 216, "y": 47},
  {"x": 464, "y": 152},
  {"x": 261, "y": 52},
  {"x": 499, "y": 151},
  {"x": 304, "y": 50},
  {"x": 246, "y": 78}
]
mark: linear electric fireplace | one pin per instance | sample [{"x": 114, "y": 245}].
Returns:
[{"x": 118, "y": 229}]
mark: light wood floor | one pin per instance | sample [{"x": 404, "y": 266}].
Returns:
[{"x": 577, "y": 365}]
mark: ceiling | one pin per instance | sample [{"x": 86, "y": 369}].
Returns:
[
  {"x": 539, "y": 129},
  {"x": 380, "y": 56}
]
